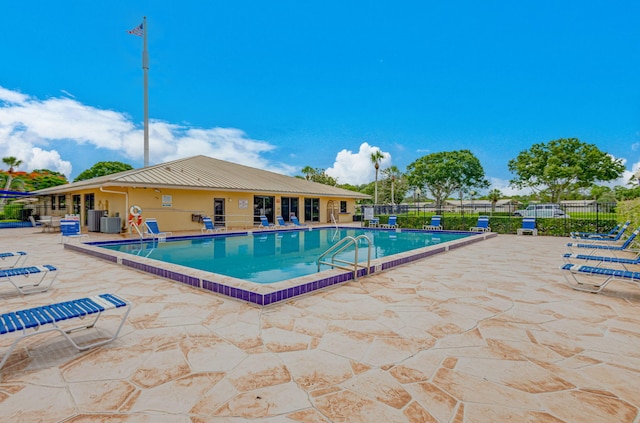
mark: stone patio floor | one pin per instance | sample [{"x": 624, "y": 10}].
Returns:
[{"x": 486, "y": 333}]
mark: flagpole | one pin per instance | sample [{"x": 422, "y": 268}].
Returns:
[{"x": 145, "y": 70}]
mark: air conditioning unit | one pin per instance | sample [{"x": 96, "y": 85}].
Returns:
[{"x": 110, "y": 225}]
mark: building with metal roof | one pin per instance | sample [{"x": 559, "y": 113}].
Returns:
[{"x": 180, "y": 192}]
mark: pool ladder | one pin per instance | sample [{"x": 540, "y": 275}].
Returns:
[{"x": 329, "y": 256}]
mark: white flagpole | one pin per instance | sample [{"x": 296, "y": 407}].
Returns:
[{"x": 145, "y": 70}]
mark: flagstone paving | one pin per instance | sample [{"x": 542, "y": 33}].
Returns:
[{"x": 485, "y": 333}]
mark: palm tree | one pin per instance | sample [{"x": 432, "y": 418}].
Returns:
[
  {"x": 393, "y": 173},
  {"x": 11, "y": 162},
  {"x": 376, "y": 156},
  {"x": 494, "y": 195},
  {"x": 308, "y": 171}
]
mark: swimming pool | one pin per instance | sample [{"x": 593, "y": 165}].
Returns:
[
  {"x": 264, "y": 294},
  {"x": 276, "y": 256}
]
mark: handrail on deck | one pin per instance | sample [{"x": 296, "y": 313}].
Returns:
[{"x": 339, "y": 247}]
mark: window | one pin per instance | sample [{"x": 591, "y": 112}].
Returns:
[
  {"x": 53, "y": 202},
  {"x": 343, "y": 206},
  {"x": 62, "y": 202}
]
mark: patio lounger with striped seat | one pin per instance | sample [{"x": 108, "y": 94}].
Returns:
[
  {"x": 38, "y": 320},
  {"x": 391, "y": 223},
  {"x": 152, "y": 229},
  {"x": 482, "y": 225},
  {"x": 595, "y": 279},
  {"x": 264, "y": 223},
  {"x": 12, "y": 259},
  {"x": 295, "y": 221},
  {"x": 609, "y": 246},
  {"x": 35, "y": 275},
  {"x": 528, "y": 225},
  {"x": 614, "y": 233},
  {"x": 622, "y": 261},
  {"x": 282, "y": 223},
  {"x": 435, "y": 225}
]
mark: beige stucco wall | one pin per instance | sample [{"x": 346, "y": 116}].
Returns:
[{"x": 174, "y": 208}]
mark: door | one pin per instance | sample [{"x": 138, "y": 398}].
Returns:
[
  {"x": 218, "y": 212},
  {"x": 89, "y": 201},
  {"x": 289, "y": 207},
  {"x": 311, "y": 209},
  {"x": 263, "y": 206}
]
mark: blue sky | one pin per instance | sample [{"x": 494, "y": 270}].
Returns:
[{"x": 285, "y": 84}]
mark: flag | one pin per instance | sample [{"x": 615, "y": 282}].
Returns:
[{"x": 138, "y": 30}]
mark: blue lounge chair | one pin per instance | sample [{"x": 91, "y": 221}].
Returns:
[
  {"x": 34, "y": 275},
  {"x": 436, "y": 223},
  {"x": 374, "y": 222},
  {"x": 264, "y": 223},
  {"x": 608, "y": 246},
  {"x": 482, "y": 225},
  {"x": 281, "y": 222},
  {"x": 622, "y": 261},
  {"x": 295, "y": 220},
  {"x": 209, "y": 227},
  {"x": 38, "y": 320},
  {"x": 595, "y": 279},
  {"x": 70, "y": 229},
  {"x": 152, "y": 229},
  {"x": 12, "y": 259},
  {"x": 596, "y": 235},
  {"x": 528, "y": 225},
  {"x": 613, "y": 238},
  {"x": 391, "y": 223}
]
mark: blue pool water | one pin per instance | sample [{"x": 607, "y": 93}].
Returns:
[{"x": 276, "y": 256}]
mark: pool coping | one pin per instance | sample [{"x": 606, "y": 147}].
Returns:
[{"x": 267, "y": 294}]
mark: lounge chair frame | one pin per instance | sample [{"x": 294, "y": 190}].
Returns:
[
  {"x": 482, "y": 225},
  {"x": 70, "y": 229},
  {"x": 152, "y": 229},
  {"x": 528, "y": 226},
  {"x": 609, "y": 247},
  {"x": 12, "y": 259},
  {"x": 36, "y": 276},
  {"x": 391, "y": 224},
  {"x": 601, "y": 277},
  {"x": 436, "y": 224},
  {"x": 265, "y": 224},
  {"x": 295, "y": 221},
  {"x": 47, "y": 318}
]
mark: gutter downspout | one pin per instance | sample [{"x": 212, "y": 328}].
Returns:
[{"x": 126, "y": 202}]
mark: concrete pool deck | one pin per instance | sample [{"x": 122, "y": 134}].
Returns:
[{"x": 489, "y": 332}]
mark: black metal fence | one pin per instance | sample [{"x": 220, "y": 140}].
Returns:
[{"x": 575, "y": 216}]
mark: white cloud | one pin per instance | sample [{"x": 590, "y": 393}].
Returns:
[
  {"x": 30, "y": 126},
  {"x": 357, "y": 168}
]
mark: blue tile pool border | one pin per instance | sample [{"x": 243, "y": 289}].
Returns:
[{"x": 279, "y": 295}]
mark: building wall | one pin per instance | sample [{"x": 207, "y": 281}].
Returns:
[{"x": 178, "y": 210}]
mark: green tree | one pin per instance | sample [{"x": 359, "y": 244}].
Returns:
[
  {"x": 308, "y": 171},
  {"x": 102, "y": 169},
  {"x": 561, "y": 166},
  {"x": 45, "y": 178},
  {"x": 392, "y": 174},
  {"x": 447, "y": 172},
  {"x": 318, "y": 175},
  {"x": 375, "y": 157}
]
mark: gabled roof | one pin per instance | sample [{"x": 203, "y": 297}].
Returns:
[{"x": 206, "y": 173}]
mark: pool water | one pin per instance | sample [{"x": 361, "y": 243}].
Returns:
[{"x": 276, "y": 256}]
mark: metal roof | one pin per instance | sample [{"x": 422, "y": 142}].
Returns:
[{"x": 207, "y": 173}]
